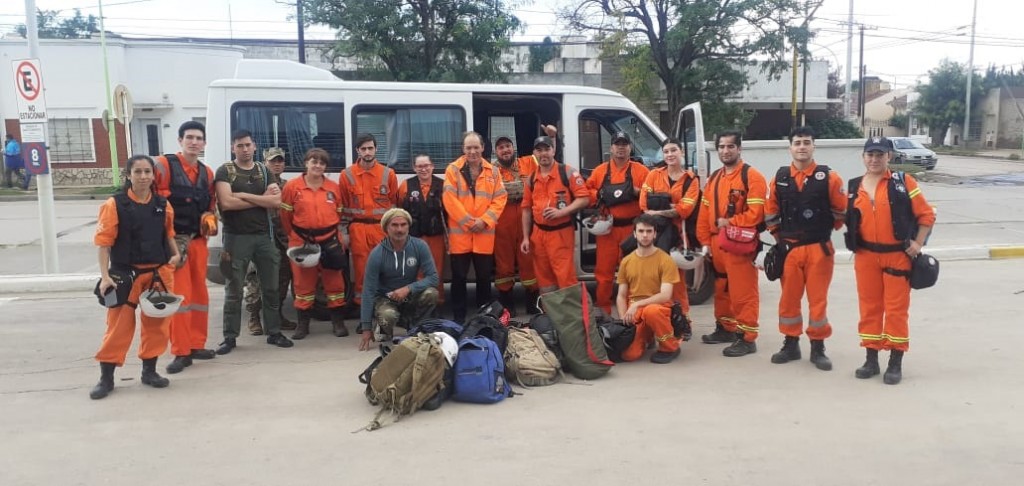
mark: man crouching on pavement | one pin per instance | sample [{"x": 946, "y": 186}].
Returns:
[
  {"x": 646, "y": 278},
  {"x": 393, "y": 293}
]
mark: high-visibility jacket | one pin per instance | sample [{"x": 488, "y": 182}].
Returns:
[
  {"x": 367, "y": 194},
  {"x": 464, "y": 203},
  {"x": 315, "y": 213},
  {"x": 515, "y": 179}
]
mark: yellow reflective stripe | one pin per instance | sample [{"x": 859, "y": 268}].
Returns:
[
  {"x": 727, "y": 319},
  {"x": 895, "y": 339},
  {"x": 746, "y": 328},
  {"x": 663, "y": 338},
  {"x": 915, "y": 192},
  {"x": 499, "y": 281},
  {"x": 755, "y": 201},
  {"x": 287, "y": 207},
  {"x": 871, "y": 337},
  {"x": 689, "y": 200},
  {"x": 333, "y": 297},
  {"x": 532, "y": 281},
  {"x": 306, "y": 298},
  {"x": 704, "y": 201}
]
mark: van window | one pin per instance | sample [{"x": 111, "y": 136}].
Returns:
[
  {"x": 597, "y": 128},
  {"x": 402, "y": 133},
  {"x": 295, "y": 127}
]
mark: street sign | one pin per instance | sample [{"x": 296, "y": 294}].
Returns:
[
  {"x": 28, "y": 84},
  {"x": 123, "y": 106},
  {"x": 33, "y": 132},
  {"x": 35, "y": 158}
]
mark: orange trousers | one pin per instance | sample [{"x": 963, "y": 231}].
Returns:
[
  {"x": 884, "y": 300},
  {"x": 508, "y": 236},
  {"x": 553, "y": 258},
  {"x": 121, "y": 324},
  {"x": 437, "y": 250},
  {"x": 653, "y": 323},
  {"x": 609, "y": 254},
  {"x": 737, "y": 299},
  {"x": 363, "y": 237},
  {"x": 304, "y": 285},
  {"x": 680, "y": 294},
  {"x": 807, "y": 267},
  {"x": 190, "y": 325}
]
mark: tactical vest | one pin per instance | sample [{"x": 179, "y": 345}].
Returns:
[
  {"x": 189, "y": 200},
  {"x": 615, "y": 194},
  {"x": 904, "y": 223},
  {"x": 141, "y": 238},
  {"x": 425, "y": 209},
  {"x": 806, "y": 214}
]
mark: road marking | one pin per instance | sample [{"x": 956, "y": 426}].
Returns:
[
  {"x": 1006, "y": 252},
  {"x": 4, "y": 300}
]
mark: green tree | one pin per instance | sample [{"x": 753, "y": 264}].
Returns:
[
  {"x": 541, "y": 53},
  {"x": 51, "y": 26},
  {"x": 421, "y": 40},
  {"x": 941, "y": 100},
  {"x": 695, "y": 48}
]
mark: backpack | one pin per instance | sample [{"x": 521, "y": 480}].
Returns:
[
  {"x": 528, "y": 361},
  {"x": 546, "y": 329},
  {"x": 487, "y": 326},
  {"x": 431, "y": 325},
  {"x": 401, "y": 382},
  {"x": 572, "y": 315},
  {"x": 617, "y": 337},
  {"x": 480, "y": 372}
]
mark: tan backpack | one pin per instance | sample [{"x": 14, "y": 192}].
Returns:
[
  {"x": 406, "y": 378},
  {"x": 528, "y": 361}
]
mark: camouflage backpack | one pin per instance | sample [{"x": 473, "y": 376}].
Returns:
[
  {"x": 528, "y": 361},
  {"x": 406, "y": 378}
]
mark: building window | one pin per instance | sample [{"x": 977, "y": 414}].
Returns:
[
  {"x": 402, "y": 133},
  {"x": 70, "y": 140},
  {"x": 294, "y": 127}
]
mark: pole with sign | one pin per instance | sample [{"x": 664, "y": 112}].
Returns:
[{"x": 29, "y": 87}]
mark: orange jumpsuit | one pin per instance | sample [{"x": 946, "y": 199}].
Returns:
[
  {"x": 737, "y": 299},
  {"x": 553, "y": 242},
  {"x": 365, "y": 195},
  {"x": 642, "y": 277},
  {"x": 312, "y": 209},
  {"x": 436, "y": 243},
  {"x": 509, "y": 232},
  {"x": 608, "y": 251},
  {"x": 884, "y": 298},
  {"x": 659, "y": 182},
  {"x": 121, "y": 320},
  {"x": 190, "y": 325},
  {"x": 808, "y": 267}
]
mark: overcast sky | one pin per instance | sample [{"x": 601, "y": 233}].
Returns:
[{"x": 903, "y": 38}]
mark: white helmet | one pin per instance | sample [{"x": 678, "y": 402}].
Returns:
[
  {"x": 160, "y": 304},
  {"x": 686, "y": 259},
  {"x": 449, "y": 346},
  {"x": 306, "y": 256},
  {"x": 598, "y": 226}
]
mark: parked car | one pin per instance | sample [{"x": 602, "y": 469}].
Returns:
[{"x": 909, "y": 151}]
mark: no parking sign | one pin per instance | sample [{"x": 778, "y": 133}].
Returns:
[{"x": 35, "y": 158}]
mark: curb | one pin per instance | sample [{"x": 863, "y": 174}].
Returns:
[{"x": 62, "y": 197}]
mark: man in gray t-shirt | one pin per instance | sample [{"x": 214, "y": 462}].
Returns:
[{"x": 246, "y": 195}]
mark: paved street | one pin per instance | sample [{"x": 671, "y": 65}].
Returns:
[{"x": 270, "y": 416}]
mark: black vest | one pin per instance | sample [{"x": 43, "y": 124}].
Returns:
[
  {"x": 904, "y": 223},
  {"x": 141, "y": 238},
  {"x": 425, "y": 209},
  {"x": 615, "y": 194},
  {"x": 806, "y": 214},
  {"x": 189, "y": 200}
]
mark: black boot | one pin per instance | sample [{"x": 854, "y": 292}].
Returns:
[
  {"x": 178, "y": 364},
  {"x": 106, "y": 384},
  {"x": 741, "y": 347},
  {"x": 151, "y": 377},
  {"x": 720, "y": 336},
  {"x": 818, "y": 355},
  {"x": 506, "y": 300},
  {"x": 302, "y": 327},
  {"x": 790, "y": 351},
  {"x": 894, "y": 373},
  {"x": 531, "y": 302},
  {"x": 870, "y": 367},
  {"x": 338, "y": 322}
]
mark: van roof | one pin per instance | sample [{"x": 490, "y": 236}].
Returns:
[{"x": 257, "y": 73}]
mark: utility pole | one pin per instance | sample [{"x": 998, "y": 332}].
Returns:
[
  {"x": 44, "y": 181},
  {"x": 970, "y": 76},
  {"x": 302, "y": 34},
  {"x": 805, "y": 32},
  {"x": 115, "y": 173},
  {"x": 849, "y": 64},
  {"x": 860, "y": 89}
]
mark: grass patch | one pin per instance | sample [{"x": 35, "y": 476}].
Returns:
[
  {"x": 911, "y": 169},
  {"x": 12, "y": 192},
  {"x": 100, "y": 191}
]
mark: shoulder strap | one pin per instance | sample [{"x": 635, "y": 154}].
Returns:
[
  {"x": 782, "y": 174},
  {"x": 232, "y": 171},
  {"x": 384, "y": 178},
  {"x": 743, "y": 176},
  {"x": 852, "y": 187},
  {"x": 717, "y": 176}
]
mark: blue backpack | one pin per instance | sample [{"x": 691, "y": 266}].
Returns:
[{"x": 480, "y": 372}]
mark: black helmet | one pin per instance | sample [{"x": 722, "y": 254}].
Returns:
[
  {"x": 924, "y": 271},
  {"x": 774, "y": 260}
]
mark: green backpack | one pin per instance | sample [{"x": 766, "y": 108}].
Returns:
[
  {"x": 406, "y": 378},
  {"x": 572, "y": 315}
]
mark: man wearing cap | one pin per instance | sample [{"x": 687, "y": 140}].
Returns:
[
  {"x": 615, "y": 190},
  {"x": 274, "y": 160},
  {"x": 509, "y": 233},
  {"x": 393, "y": 291},
  {"x": 246, "y": 196},
  {"x": 551, "y": 198},
  {"x": 881, "y": 242}
]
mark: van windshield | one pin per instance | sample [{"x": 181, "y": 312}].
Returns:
[{"x": 597, "y": 128}]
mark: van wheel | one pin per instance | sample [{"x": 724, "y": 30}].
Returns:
[{"x": 700, "y": 283}]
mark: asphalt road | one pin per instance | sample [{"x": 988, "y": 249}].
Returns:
[{"x": 269, "y": 416}]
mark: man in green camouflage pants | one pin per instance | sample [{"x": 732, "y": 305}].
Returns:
[{"x": 274, "y": 160}]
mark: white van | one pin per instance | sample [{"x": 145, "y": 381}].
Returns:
[{"x": 298, "y": 107}]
